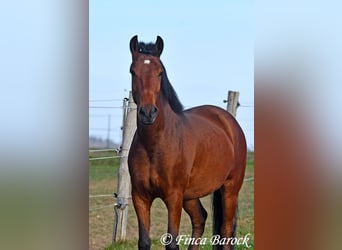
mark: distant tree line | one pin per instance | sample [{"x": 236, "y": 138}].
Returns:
[{"x": 98, "y": 142}]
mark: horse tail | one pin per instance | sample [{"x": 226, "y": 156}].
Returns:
[
  {"x": 217, "y": 212},
  {"x": 218, "y": 217}
]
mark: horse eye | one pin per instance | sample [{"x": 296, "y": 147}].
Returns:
[
  {"x": 132, "y": 72},
  {"x": 160, "y": 74}
]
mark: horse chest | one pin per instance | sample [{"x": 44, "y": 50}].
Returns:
[
  {"x": 155, "y": 177},
  {"x": 155, "y": 171},
  {"x": 158, "y": 177}
]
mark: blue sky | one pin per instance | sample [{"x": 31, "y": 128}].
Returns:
[{"x": 208, "y": 50}]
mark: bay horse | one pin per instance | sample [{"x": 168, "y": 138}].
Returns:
[{"x": 181, "y": 155}]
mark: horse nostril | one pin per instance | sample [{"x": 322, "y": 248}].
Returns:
[
  {"x": 142, "y": 111},
  {"x": 154, "y": 110}
]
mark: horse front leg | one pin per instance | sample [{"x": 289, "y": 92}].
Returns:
[
  {"x": 142, "y": 206},
  {"x": 174, "y": 204}
]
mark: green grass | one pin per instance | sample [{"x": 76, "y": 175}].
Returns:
[
  {"x": 105, "y": 169},
  {"x": 133, "y": 245},
  {"x": 103, "y": 180}
]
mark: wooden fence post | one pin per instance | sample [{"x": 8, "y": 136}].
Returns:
[
  {"x": 233, "y": 102},
  {"x": 124, "y": 181}
]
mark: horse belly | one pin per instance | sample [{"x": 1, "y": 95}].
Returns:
[{"x": 209, "y": 171}]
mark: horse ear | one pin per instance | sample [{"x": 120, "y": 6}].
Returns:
[
  {"x": 159, "y": 45},
  {"x": 134, "y": 45}
]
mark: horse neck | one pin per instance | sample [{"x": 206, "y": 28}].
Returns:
[{"x": 164, "y": 127}]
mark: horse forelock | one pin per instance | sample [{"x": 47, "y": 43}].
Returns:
[{"x": 147, "y": 48}]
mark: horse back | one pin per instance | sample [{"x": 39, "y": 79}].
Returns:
[{"x": 222, "y": 119}]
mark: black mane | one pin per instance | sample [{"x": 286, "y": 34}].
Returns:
[{"x": 166, "y": 87}]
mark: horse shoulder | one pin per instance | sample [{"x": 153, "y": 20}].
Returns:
[{"x": 138, "y": 161}]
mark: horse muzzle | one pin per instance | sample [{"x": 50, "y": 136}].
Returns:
[{"x": 147, "y": 114}]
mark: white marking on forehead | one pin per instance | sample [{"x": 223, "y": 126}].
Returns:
[{"x": 146, "y": 61}]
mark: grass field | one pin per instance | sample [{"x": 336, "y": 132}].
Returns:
[{"x": 103, "y": 180}]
